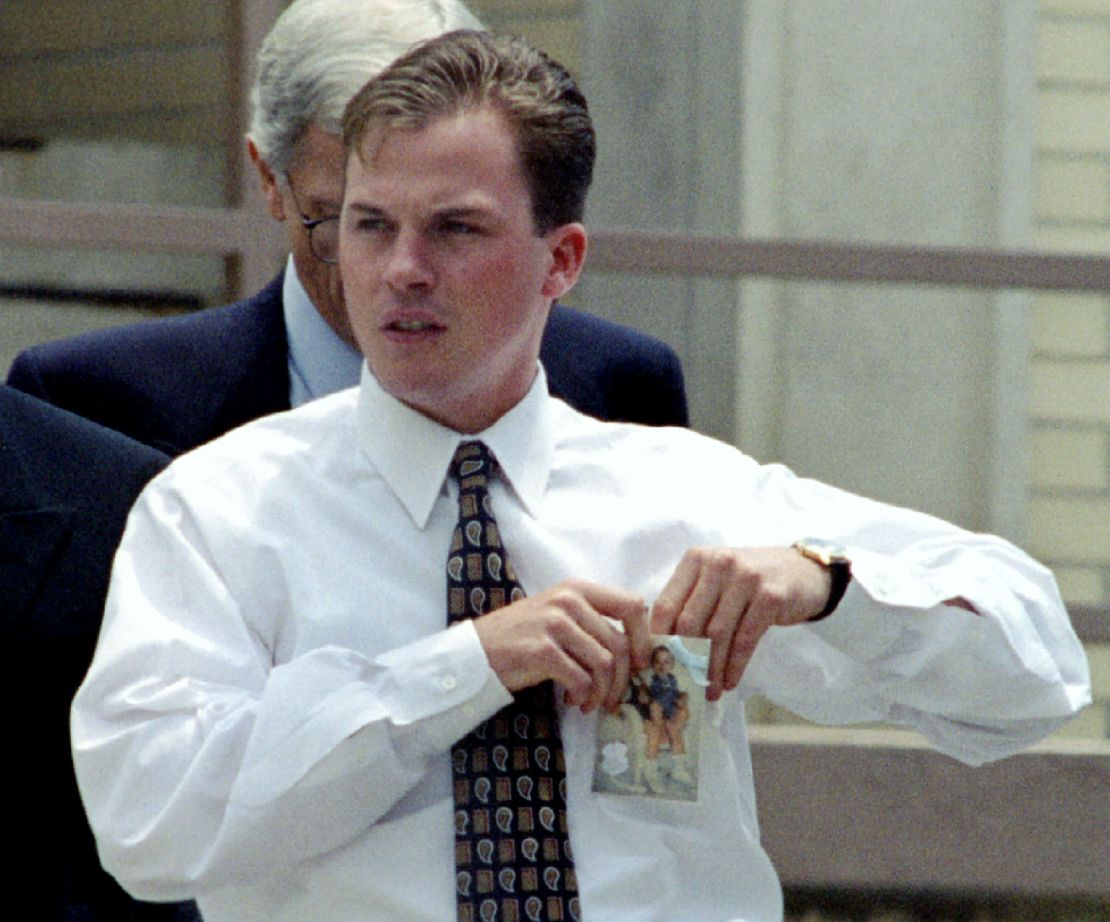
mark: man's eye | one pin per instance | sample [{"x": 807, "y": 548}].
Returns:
[
  {"x": 458, "y": 227},
  {"x": 370, "y": 225}
]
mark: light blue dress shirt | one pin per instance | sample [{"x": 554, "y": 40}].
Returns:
[{"x": 320, "y": 363}]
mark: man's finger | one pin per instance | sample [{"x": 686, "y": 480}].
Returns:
[
  {"x": 672, "y": 599},
  {"x": 727, "y": 620},
  {"x": 626, "y": 608}
]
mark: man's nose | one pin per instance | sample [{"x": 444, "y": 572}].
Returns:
[{"x": 409, "y": 262}]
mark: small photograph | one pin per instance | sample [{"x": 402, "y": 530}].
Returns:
[{"x": 650, "y": 747}]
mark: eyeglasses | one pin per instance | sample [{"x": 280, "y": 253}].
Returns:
[{"x": 323, "y": 233}]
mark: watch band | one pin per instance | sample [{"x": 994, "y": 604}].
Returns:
[{"x": 835, "y": 559}]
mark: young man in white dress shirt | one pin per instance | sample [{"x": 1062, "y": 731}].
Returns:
[{"x": 268, "y": 721}]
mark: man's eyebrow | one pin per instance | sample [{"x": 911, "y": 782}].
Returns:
[
  {"x": 464, "y": 212},
  {"x": 448, "y": 213},
  {"x": 454, "y": 210},
  {"x": 365, "y": 208}
]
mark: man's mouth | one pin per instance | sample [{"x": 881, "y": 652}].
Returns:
[{"x": 411, "y": 326}]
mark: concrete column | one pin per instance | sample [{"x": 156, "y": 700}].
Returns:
[
  {"x": 663, "y": 84},
  {"x": 864, "y": 120}
]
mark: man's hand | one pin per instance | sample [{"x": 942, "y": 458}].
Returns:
[
  {"x": 563, "y": 634},
  {"x": 731, "y": 596}
]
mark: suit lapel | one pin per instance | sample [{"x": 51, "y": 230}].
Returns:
[{"x": 259, "y": 382}]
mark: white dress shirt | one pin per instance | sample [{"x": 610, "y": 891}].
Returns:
[
  {"x": 267, "y": 721},
  {"x": 320, "y": 363}
]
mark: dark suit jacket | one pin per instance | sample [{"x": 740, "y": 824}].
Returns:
[
  {"x": 178, "y": 382},
  {"x": 66, "y": 486}
]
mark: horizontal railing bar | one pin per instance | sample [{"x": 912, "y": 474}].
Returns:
[
  {"x": 144, "y": 228},
  {"x": 217, "y": 230},
  {"x": 810, "y": 260}
]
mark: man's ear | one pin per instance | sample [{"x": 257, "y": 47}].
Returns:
[
  {"x": 567, "y": 246},
  {"x": 271, "y": 189}
]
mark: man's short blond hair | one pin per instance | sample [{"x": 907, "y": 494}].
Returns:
[{"x": 470, "y": 70}]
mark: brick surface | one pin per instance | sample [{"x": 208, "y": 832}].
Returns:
[
  {"x": 1071, "y": 324},
  {"x": 1069, "y": 190},
  {"x": 553, "y": 25},
  {"x": 1072, "y": 530},
  {"x": 1076, "y": 391},
  {"x": 1075, "y": 239},
  {"x": 1090, "y": 723},
  {"x": 1073, "y": 120},
  {"x": 1073, "y": 50},
  {"x": 1098, "y": 656},
  {"x": 1082, "y": 585},
  {"x": 1076, "y": 7},
  {"x": 1071, "y": 458}
]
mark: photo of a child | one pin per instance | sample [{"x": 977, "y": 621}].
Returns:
[{"x": 649, "y": 747}]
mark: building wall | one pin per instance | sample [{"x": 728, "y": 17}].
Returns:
[
  {"x": 115, "y": 68},
  {"x": 1069, "y": 521}
]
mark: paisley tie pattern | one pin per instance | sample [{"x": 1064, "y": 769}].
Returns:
[{"x": 512, "y": 855}]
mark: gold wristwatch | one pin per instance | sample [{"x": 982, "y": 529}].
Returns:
[{"x": 834, "y": 558}]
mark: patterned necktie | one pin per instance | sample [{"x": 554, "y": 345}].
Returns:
[{"x": 512, "y": 856}]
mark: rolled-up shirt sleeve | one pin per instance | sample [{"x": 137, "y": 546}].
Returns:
[
  {"x": 903, "y": 646},
  {"x": 202, "y": 761}
]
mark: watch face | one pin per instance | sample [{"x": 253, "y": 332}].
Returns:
[{"x": 824, "y": 552}]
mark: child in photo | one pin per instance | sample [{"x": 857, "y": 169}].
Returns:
[{"x": 665, "y": 720}]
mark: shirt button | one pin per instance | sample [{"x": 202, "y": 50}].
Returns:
[{"x": 448, "y": 682}]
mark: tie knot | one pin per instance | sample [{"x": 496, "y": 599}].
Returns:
[{"x": 472, "y": 465}]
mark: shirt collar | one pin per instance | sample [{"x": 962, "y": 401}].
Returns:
[
  {"x": 320, "y": 363},
  {"x": 412, "y": 452}
]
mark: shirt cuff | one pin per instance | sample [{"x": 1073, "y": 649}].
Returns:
[
  {"x": 415, "y": 700},
  {"x": 445, "y": 682},
  {"x": 883, "y": 599}
]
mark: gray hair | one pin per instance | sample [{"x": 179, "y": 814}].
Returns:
[{"x": 320, "y": 53}]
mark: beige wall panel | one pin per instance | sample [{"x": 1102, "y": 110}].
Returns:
[
  {"x": 1077, "y": 7},
  {"x": 72, "y": 97},
  {"x": 201, "y": 126},
  {"x": 1070, "y": 190},
  {"x": 1071, "y": 391},
  {"x": 553, "y": 25},
  {"x": 1071, "y": 324},
  {"x": 1074, "y": 120},
  {"x": 1074, "y": 50},
  {"x": 1074, "y": 530},
  {"x": 1080, "y": 585},
  {"x": 558, "y": 36},
  {"x": 83, "y": 25},
  {"x": 1062, "y": 238},
  {"x": 490, "y": 10},
  {"x": 1071, "y": 459}
]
